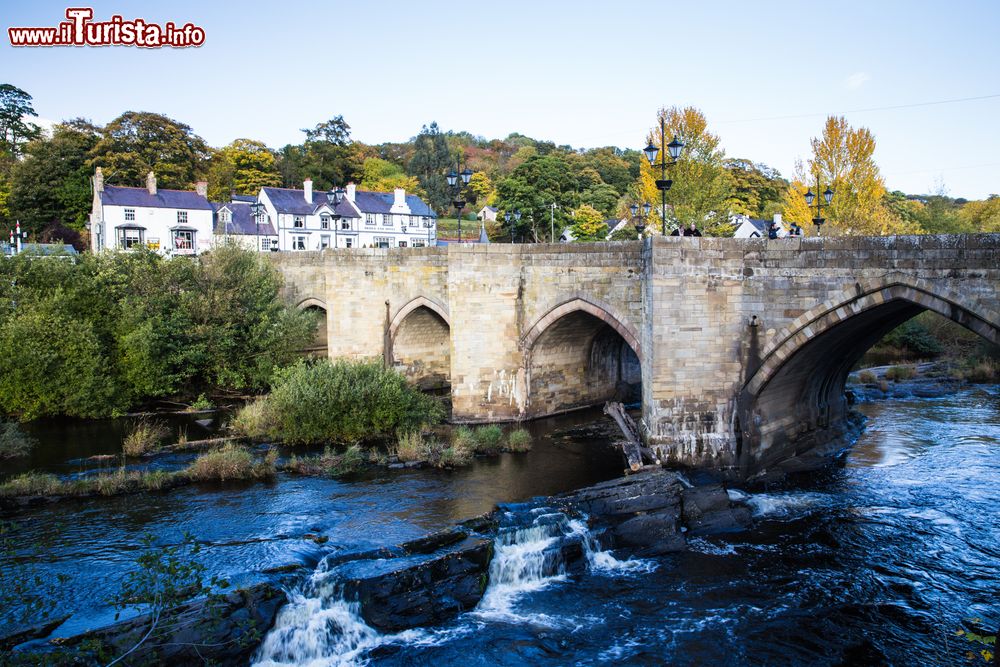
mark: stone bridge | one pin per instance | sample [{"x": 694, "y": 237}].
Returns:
[{"x": 741, "y": 346}]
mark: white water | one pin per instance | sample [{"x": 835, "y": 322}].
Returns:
[{"x": 318, "y": 628}]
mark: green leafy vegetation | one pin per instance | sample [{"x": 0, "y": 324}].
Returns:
[
  {"x": 338, "y": 401},
  {"x": 231, "y": 462},
  {"x": 898, "y": 373},
  {"x": 14, "y": 442},
  {"x": 95, "y": 337},
  {"x": 519, "y": 440},
  {"x": 330, "y": 463}
]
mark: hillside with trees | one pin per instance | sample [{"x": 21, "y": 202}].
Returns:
[{"x": 45, "y": 176}]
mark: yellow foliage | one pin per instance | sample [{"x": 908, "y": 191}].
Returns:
[{"x": 589, "y": 224}]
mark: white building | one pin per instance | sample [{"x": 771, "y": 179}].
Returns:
[
  {"x": 235, "y": 224},
  {"x": 487, "y": 214},
  {"x": 750, "y": 228},
  {"x": 172, "y": 222},
  {"x": 306, "y": 220}
]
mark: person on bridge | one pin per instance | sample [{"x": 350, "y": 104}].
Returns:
[
  {"x": 772, "y": 232},
  {"x": 692, "y": 231},
  {"x": 795, "y": 230},
  {"x": 676, "y": 232}
]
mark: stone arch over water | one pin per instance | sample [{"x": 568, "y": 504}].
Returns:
[
  {"x": 419, "y": 343},
  {"x": 580, "y": 354},
  {"x": 320, "y": 344},
  {"x": 794, "y": 401}
]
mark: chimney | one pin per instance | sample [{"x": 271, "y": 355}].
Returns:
[
  {"x": 201, "y": 187},
  {"x": 307, "y": 186},
  {"x": 151, "y": 183},
  {"x": 351, "y": 190},
  {"x": 98, "y": 180},
  {"x": 400, "y": 198}
]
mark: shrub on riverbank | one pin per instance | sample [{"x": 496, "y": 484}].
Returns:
[
  {"x": 93, "y": 337},
  {"x": 900, "y": 373},
  {"x": 519, "y": 440},
  {"x": 338, "y": 401},
  {"x": 350, "y": 461},
  {"x": 231, "y": 462},
  {"x": 144, "y": 436},
  {"x": 13, "y": 441}
]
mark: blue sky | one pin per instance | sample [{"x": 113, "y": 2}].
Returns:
[{"x": 582, "y": 73}]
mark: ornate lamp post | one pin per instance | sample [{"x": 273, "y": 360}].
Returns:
[
  {"x": 827, "y": 196},
  {"x": 516, "y": 215},
  {"x": 459, "y": 203},
  {"x": 256, "y": 209},
  {"x": 641, "y": 224},
  {"x": 552, "y": 222},
  {"x": 333, "y": 198},
  {"x": 663, "y": 184}
]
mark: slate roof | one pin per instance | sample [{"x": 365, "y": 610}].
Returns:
[
  {"x": 241, "y": 221},
  {"x": 294, "y": 202},
  {"x": 249, "y": 199},
  {"x": 114, "y": 195},
  {"x": 760, "y": 225}
]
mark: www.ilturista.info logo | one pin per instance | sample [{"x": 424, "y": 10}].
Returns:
[{"x": 80, "y": 30}]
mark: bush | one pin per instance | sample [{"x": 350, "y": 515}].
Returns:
[
  {"x": 344, "y": 401},
  {"x": 867, "y": 377},
  {"x": 898, "y": 373},
  {"x": 201, "y": 404},
  {"x": 455, "y": 456},
  {"x": 410, "y": 447},
  {"x": 254, "y": 420},
  {"x": 519, "y": 440},
  {"x": 914, "y": 337},
  {"x": 144, "y": 437},
  {"x": 353, "y": 460},
  {"x": 985, "y": 371},
  {"x": 487, "y": 440},
  {"x": 13, "y": 441},
  {"x": 230, "y": 462}
]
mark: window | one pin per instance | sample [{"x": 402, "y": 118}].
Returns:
[
  {"x": 324, "y": 221},
  {"x": 427, "y": 222},
  {"x": 402, "y": 244},
  {"x": 383, "y": 242},
  {"x": 417, "y": 243},
  {"x": 386, "y": 219},
  {"x": 182, "y": 217},
  {"x": 265, "y": 244},
  {"x": 130, "y": 214},
  {"x": 184, "y": 240},
  {"x": 349, "y": 243},
  {"x": 224, "y": 216},
  {"x": 298, "y": 222},
  {"x": 298, "y": 243},
  {"x": 324, "y": 242},
  {"x": 345, "y": 224},
  {"x": 129, "y": 237},
  {"x": 369, "y": 218}
]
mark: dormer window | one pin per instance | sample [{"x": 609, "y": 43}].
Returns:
[
  {"x": 324, "y": 221},
  {"x": 224, "y": 216}
]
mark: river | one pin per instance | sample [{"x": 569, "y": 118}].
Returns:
[{"x": 876, "y": 561}]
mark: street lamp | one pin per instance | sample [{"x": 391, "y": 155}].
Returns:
[
  {"x": 516, "y": 215},
  {"x": 552, "y": 222},
  {"x": 663, "y": 184},
  {"x": 256, "y": 209},
  {"x": 640, "y": 226},
  {"x": 459, "y": 203},
  {"x": 333, "y": 198},
  {"x": 827, "y": 196}
]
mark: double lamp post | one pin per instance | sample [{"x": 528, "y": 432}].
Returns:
[
  {"x": 465, "y": 175},
  {"x": 663, "y": 184}
]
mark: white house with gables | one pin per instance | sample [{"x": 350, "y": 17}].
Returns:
[
  {"x": 172, "y": 222},
  {"x": 306, "y": 220}
]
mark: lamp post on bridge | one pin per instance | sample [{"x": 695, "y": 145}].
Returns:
[
  {"x": 459, "y": 203},
  {"x": 641, "y": 225},
  {"x": 663, "y": 184},
  {"x": 810, "y": 196},
  {"x": 333, "y": 198},
  {"x": 256, "y": 209},
  {"x": 517, "y": 218}
]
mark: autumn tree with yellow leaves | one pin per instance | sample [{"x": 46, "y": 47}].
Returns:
[{"x": 843, "y": 158}]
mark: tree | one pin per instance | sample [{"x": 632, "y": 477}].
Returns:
[
  {"x": 603, "y": 197},
  {"x": 701, "y": 184},
  {"x": 843, "y": 159},
  {"x": 244, "y": 166},
  {"x": 51, "y": 185},
  {"x": 982, "y": 216},
  {"x": 533, "y": 187},
  {"x": 328, "y": 157},
  {"x": 431, "y": 160},
  {"x": 758, "y": 190},
  {"x": 588, "y": 224},
  {"x": 15, "y": 106},
  {"x": 138, "y": 142},
  {"x": 380, "y": 175},
  {"x": 481, "y": 186}
]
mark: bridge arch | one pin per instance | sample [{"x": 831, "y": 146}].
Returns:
[
  {"x": 320, "y": 344},
  {"x": 578, "y": 354},
  {"x": 419, "y": 342},
  {"x": 794, "y": 402}
]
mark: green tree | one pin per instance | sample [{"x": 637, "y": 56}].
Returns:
[
  {"x": 138, "y": 142},
  {"x": 52, "y": 182},
  {"x": 533, "y": 187},
  {"x": 431, "y": 160},
  {"x": 982, "y": 216},
  {"x": 15, "y": 106},
  {"x": 702, "y": 186},
  {"x": 380, "y": 175},
  {"x": 588, "y": 224},
  {"x": 758, "y": 190},
  {"x": 244, "y": 167},
  {"x": 328, "y": 157}
]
